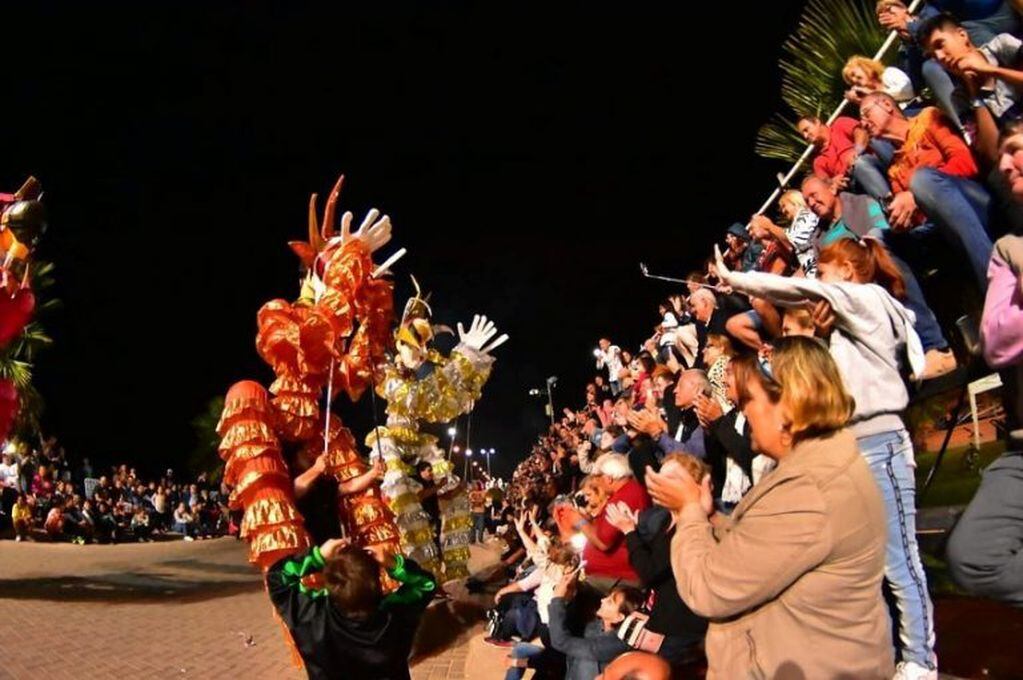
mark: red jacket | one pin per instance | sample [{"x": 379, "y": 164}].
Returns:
[
  {"x": 930, "y": 143},
  {"x": 833, "y": 160},
  {"x": 614, "y": 562}
]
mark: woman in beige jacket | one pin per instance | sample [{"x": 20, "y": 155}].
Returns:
[{"x": 792, "y": 580}]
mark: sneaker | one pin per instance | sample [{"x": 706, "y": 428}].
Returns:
[
  {"x": 189, "y": 538},
  {"x": 17, "y": 539},
  {"x": 910, "y": 670},
  {"x": 494, "y": 642},
  {"x": 937, "y": 363}
]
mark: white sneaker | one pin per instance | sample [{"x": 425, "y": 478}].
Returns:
[
  {"x": 911, "y": 670},
  {"x": 17, "y": 539},
  {"x": 189, "y": 538}
]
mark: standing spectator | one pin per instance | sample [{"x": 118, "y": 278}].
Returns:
[
  {"x": 478, "y": 509},
  {"x": 610, "y": 356},
  {"x": 801, "y": 558},
  {"x": 871, "y": 342},
  {"x": 8, "y": 485}
]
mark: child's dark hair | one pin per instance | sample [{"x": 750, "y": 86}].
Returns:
[
  {"x": 352, "y": 578},
  {"x": 632, "y": 598}
]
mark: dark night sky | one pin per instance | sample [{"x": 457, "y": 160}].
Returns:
[{"x": 529, "y": 162}]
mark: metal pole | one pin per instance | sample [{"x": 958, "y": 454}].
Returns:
[
  {"x": 889, "y": 41},
  {"x": 550, "y": 401}
]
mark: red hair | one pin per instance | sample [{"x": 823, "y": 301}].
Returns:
[{"x": 869, "y": 260}]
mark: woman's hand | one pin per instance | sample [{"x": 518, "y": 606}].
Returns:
[
  {"x": 622, "y": 517},
  {"x": 673, "y": 492},
  {"x": 566, "y": 584}
]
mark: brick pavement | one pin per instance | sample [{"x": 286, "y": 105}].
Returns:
[{"x": 165, "y": 610}]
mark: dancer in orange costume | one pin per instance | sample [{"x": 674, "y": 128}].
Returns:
[{"x": 329, "y": 339}]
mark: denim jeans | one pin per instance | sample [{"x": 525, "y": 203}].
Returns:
[
  {"x": 926, "y": 325},
  {"x": 957, "y": 208},
  {"x": 871, "y": 170},
  {"x": 890, "y": 457},
  {"x": 985, "y": 552},
  {"x": 479, "y": 526},
  {"x": 524, "y": 650}
]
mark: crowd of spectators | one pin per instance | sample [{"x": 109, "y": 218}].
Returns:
[
  {"x": 752, "y": 449},
  {"x": 43, "y": 498}
]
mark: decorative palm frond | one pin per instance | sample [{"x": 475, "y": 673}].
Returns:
[
  {"x": 205, "y": 456},
  {"x": 828, "y": 33}
]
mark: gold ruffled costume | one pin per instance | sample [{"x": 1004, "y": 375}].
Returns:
[{"x": 442, "y": 395}]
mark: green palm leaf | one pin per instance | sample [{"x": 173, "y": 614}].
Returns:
[{"x": 828, "y": 33}]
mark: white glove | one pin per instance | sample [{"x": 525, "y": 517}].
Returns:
[
  {"x": 373, "y": 232},
  {"x": 480, "y": 332}
]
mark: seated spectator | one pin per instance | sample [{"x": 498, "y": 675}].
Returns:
[
  {"x": 742, "y": 253},
  {"x": 673, "y": 631},
  {"x": 184, "y": 522},
  {"x": 984, "y": 553},
  {"x": 716, "y": 356},
  {"x": 21, "y": 517},
  {"x": 605, "y": 554},
  {"x": 797, "y": 236},
  {"x": 586, "y": 656},
  {"x": 560, "y": 561},
  {"x": 636, "y": 666},
  {"x": 864, "y": 75},
  {"x": 836, "y": 147},
  {"x": 855, "y": 216},
  {"x": 990, "y": 75},
  {"x": 802, "y": 556},
  {"x": 54, "y": 524},
  {"x": 893, "y": 15},
  {"x": 932, "y": 189}
]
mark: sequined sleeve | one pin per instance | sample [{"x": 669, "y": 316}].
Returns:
[{"x": 446, "y": 393}]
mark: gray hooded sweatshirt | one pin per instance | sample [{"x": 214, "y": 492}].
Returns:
[{"x": 873, "y": 336}]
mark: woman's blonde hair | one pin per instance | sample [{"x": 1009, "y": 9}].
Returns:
[
  {"x": 794, "y": 197},
  {"x": 812, "y": 392},
  {"x": 721, "y": 343},
  {"x": 869, "y": 66},
  {"x": 802, "y": 376}
]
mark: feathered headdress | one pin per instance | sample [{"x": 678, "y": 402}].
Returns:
[{"x": 416, "y": 328}]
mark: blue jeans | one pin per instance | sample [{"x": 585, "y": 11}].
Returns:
[
  {"x": 943, "y": 88},
  {"x": 926, "y": 325},
  {"x": 524, "y": 650},
  {"x": 871, "y": 170},
  {"x": 889, "y": 455},
  {"x": 479, "y": 526},
  {"x": 957, "y": 208}
]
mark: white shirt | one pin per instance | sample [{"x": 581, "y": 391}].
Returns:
[
  {"x": 897, "y": 84},
  {"x": 668, "y": 327},
  {"x": 612, "y": 358},
  {"x": 9, "y": 475}
]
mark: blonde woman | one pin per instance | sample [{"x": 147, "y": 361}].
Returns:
[
  {"x": 792, "y": 580},
  {"x": 865, "y": 76}
]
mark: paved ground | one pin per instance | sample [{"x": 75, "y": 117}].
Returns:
[
  {"x": 198, "y": 610},
  {"x": 167, "y": 610}
]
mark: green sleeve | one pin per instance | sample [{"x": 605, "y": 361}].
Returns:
[
  {"x": 416, "y": 585},
  {"x": 294, "y": 569}
]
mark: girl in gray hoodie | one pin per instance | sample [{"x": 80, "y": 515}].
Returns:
[{"x": 872, "y": 342}]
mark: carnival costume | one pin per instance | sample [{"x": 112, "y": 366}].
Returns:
[
  {"x": 422, "y": 386},
  {"x": 326, "y": 341}
]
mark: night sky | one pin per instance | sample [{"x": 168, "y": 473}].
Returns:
[{"x": 529, "y": 161}]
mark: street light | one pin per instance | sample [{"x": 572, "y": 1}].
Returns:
[
  {"x": 535, "y": 392},
  {"x": 452, "y": 432}
]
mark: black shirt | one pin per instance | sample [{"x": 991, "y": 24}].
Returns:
[{"x": 650, "y": 556}]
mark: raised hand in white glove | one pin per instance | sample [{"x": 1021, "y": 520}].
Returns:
[{"x": 479, "y": 334}]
